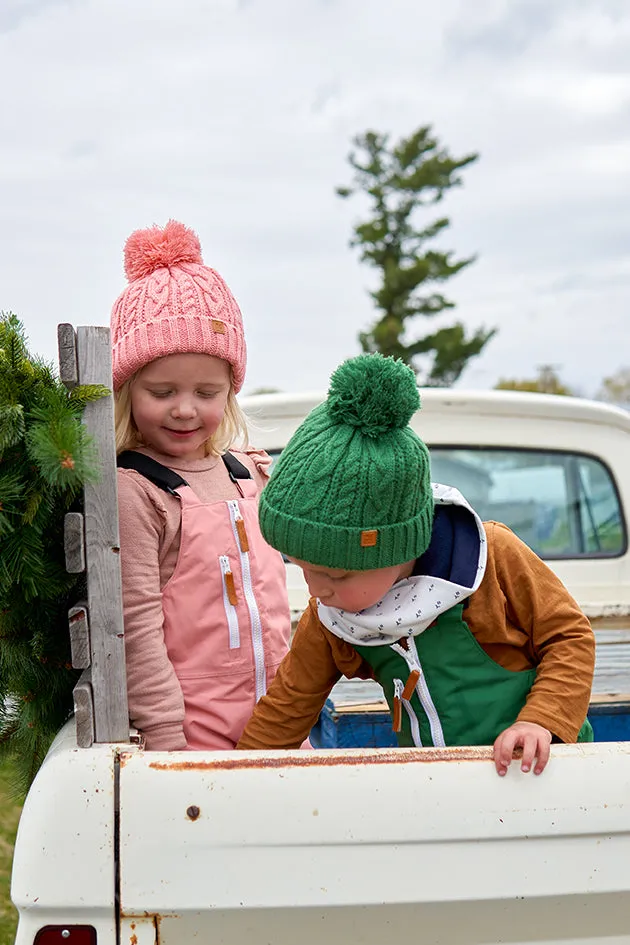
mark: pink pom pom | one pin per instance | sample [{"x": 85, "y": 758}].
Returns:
[{"x": 157, "y": 247}]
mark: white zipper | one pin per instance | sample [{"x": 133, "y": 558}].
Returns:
[
  {"x": 427, "y": 702},
  {"x": 230, "y": 609},
  {"x": 413, "y": 662},
  {"x": 252, "y": 606},
  {"x": 413, "y": 720}
]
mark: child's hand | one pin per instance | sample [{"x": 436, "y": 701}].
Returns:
[{"x": 532, "y": 738}]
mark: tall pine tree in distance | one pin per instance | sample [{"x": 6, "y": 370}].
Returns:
[
  {"x": 401, "y": 181},
  {"x": 45, "y": 458}
]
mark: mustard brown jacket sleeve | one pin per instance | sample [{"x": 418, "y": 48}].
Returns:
[{"x": 524, "y": 616}]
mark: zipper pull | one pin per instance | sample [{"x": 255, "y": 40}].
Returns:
[
  {"x": 242, "y": 535},
  {"x": 411, "y": 657},
  {"x": 228, "y": 577},
  {"x": 410, "y": 685},
  {"x": 397, "y": 713},
  {"x": 240, "y": 528}
]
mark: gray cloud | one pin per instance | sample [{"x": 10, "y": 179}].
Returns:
[
  {"x": 118, "y": 115},
  {"x": 507, "y": 30},
  {"x": 14, "y": 12}
]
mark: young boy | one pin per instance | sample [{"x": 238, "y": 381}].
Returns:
[{"x": 474, "y": 640}]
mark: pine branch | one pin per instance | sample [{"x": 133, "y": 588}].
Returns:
[
  {"x": 86, "y": 394},
  {"x": 46, "y": 459}
]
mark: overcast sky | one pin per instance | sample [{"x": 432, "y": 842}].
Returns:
[{"x": 236, "y": 117}]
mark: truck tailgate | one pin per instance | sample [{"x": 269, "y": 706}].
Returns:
[{"x": 375, "y": 845}]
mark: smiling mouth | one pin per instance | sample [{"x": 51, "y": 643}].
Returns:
[{"x": 182, "y": 433}]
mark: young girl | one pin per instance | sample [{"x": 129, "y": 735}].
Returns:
[{"x": 205, "y": 605}]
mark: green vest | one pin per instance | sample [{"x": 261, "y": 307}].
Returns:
[{"x": 462, "y": 697}]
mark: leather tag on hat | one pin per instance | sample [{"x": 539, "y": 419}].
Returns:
[{"x": 369, "y": 537}]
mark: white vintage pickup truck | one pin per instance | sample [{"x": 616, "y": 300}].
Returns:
[{"x": 363, "y": 845}]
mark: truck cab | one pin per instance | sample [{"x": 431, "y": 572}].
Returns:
[{"x": 551, "y": 468}]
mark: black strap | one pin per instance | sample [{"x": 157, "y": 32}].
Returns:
[
  {"x": 234, "y": 468},
  {"x": 155, "y": 472},
  {"x": 167, "y": 479}
]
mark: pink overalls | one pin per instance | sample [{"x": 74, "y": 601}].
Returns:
[{"x": 226, "y": 613}]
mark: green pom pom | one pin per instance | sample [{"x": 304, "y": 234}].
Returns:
[{"x": 373, "y": 393}]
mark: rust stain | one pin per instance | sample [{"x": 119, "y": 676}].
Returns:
[
  {"x": 155, "y": 917},
  {"x": 134, "y": 939},
  {"x": 313, "y": 760}
]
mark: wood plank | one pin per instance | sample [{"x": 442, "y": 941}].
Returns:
[
  {"x": 84, "y": 710},
  {"x": 67, "y": 348},
  {"x": 613, "y": 637},
  {"x": 616, "y": 619},
  {"x": 102, "y": 548},
  {"x": 371, "y": 708},
  {"x": 79, "y": 627},
  {"x": 73, "y": 544},
  {"x": 610, "y": 698}
]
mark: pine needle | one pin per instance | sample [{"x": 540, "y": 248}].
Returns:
[{"x": 46, "y": 457}]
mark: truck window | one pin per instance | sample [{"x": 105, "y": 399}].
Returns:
[{"x": 563, "y": 505}]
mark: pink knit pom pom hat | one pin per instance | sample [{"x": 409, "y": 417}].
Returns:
[{"x": 173, "y": 305}]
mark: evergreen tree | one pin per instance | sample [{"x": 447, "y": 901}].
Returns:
[
  {"x": 616, "y": 388},
  {"x": 399, "y": 181},
  {"x": 45, "y": 457},
  {"x": 548, "y": 381}
]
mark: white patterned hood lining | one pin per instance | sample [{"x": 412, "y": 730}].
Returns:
[{"x": 411, "y": 605}]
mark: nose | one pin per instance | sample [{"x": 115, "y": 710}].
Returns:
[
  {"x": 184, "y": 408},
  {"x": 318, "y": 586}
]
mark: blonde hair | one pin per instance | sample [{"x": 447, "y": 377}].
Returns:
[{"x": 232, "y": 431}]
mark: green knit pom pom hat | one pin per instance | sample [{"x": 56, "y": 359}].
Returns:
[{"x": 352, "y": 488}]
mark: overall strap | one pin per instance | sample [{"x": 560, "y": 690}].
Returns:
[
  {"x": 155, "y": 472},
  {"x": 167, "y": 479},
  {"x": 235, "y": 469}
]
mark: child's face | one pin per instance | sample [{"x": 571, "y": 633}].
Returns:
[
  {"x": 178, "y": 402},
  {"x": 351, "y": 590}
]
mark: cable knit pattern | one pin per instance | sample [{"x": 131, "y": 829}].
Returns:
[
  {"x": 173, "y": 305},
  {"x": 352, "y": 487}
]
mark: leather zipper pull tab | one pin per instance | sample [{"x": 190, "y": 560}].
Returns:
[
  {"x": 410, "y": 685},
  {"x": 230, "y": 588},
  {"x": 397, "y": 712}
]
